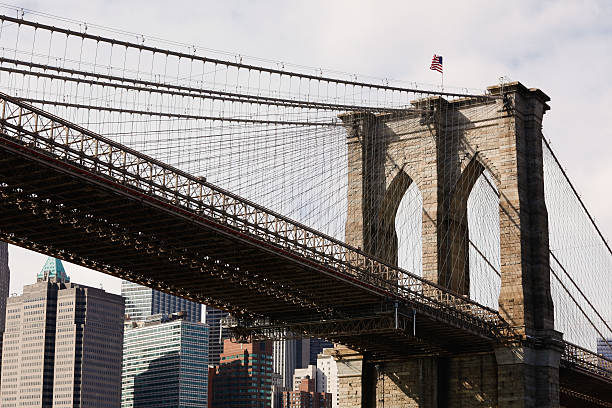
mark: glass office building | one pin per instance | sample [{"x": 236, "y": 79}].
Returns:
[
  {"x": 142, "y": 302},
  {"x": 165, "y": 363},
  {"x": 244, "y": 376},
  {"x": 216, "y": 333}
]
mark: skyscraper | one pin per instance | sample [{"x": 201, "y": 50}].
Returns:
[
  {"x": 315, "y": 347},
  {"x": 4, "y": 287},
  {"x": 142, "y": 302},
  {"x": 327, "y": 376},
  {"x": 244, "y": 376},
  {"x": 287, "y": 356},
  {"x": 292, "y": 354},
  {"x": 216, "y": 333},
  {"x": 165, "y": 363},
  {"x": 63, "y": 344}
]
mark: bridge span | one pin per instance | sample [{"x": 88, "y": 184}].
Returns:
[{"x": 70, "y": 193}]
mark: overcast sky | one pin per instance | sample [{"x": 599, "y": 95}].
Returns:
[{"x": 563, "y": 48}]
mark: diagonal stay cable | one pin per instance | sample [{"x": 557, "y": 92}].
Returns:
[
  {"x": 584, "y": 296},
  {"x": 591, "y": 219}
]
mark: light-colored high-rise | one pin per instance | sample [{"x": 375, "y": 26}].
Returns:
[
  {"x": 327, "y": 376},
  {"x": 142, "y": 302},
  {"x": 300, "y": 373},
  {"x": 165, "y": 363},
  {"x": 63, "y": 344},
  {"x": 4, "y": 286},
  {"x": 292, "y": 354}
]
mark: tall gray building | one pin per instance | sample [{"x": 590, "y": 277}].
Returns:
[
  {"x": 63, "y": 344},
  {"x": 286, "y": 357},
  {"x": 216, "y": 333},
  {"x": 4, "y": 286},
  {"x": 142, "y": 302},
  {"x": 311, "y": 348}
]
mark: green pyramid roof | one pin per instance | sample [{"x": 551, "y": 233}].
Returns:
[{"x": 53, "y": 269}]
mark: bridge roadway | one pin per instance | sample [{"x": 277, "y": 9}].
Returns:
[{"x": 69, "y": 193}]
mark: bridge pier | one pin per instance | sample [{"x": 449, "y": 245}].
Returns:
[
  {"x": 419, "y": 382},
  {"x": 529, "y": 376},
  {"x": 509, "y": 377},
  {"x": 443, "y": 147},
  {"x": 350, "y": 367},
  {"x": 367, "y": 384}
]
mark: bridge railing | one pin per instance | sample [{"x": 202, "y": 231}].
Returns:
[
  {"x": 65, "y": 141},
  {"x": 586, "y": 360}
]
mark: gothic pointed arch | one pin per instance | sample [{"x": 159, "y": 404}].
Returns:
[
  {"x": 483, "y": 209},
  {"x": 453, "y": 234},
  {"x": 387, "y": 249}
]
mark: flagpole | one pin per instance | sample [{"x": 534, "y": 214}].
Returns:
[
  {"x": 442, "y": 78},
  {"x": 436, "y": 65}
]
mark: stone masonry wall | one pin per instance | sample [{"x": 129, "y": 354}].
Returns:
[{"x": 469, "y": 381}]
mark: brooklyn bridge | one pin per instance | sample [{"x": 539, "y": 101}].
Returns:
[{"x": 433, "y": 236}]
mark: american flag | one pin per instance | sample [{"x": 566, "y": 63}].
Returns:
[{"x": 436, "y": 63}]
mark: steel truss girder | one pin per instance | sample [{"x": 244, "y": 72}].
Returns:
[
  {"x": 102, "y": 229},
  {"x": 371, "y": 327},
  {"x": 326, "y": 329},
  {"x": 594, "y": 364},
  {"x": 442, "y": 314}
]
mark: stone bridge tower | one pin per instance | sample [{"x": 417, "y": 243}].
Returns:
[{"x": 443, "y": 147}]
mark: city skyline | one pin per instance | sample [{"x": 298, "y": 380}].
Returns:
[{"x": 55, "y": 270}]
